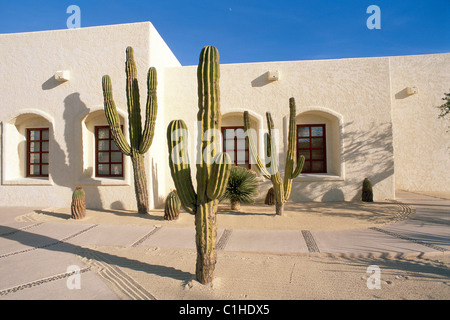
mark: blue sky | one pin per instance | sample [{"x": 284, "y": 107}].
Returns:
[{"x": 256, "y": 30}]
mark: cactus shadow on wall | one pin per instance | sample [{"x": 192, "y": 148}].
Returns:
[
  {"x": 367, "y": 153},
  {"x": 66, "y": 164}
]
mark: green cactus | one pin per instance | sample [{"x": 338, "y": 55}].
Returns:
[
  {"x": 140, "y": 141},
  {"x": 213, "y": 169},
  {"x": 270, "y": 170},
  {"x": 367, "y": 192},
  {"x": 270, "y": 197},
  {"x": 78, "y": 206},
  {"x": 172, "y": 206}
]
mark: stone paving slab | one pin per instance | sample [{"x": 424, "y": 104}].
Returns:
[
  {"x": 112, "y": 235},
  {"x": 266, "y": 241},
  {"x": 431, "y": 234},
  {"x": 41, "y": 235},
  {"x": 363, "y": 241},
  {"x": 92, "y": 287},
  {"x": 183, "y": 238},
  {"x": 36, "y": 264}
]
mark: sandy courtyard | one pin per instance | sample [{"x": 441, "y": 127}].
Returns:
[{"x": 164, "y": 273}]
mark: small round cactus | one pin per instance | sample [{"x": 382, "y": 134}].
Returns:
[
  {"x": 172, "y": 207},
  {"x": 367, "y": 193},
  {"x": 270, "y": 197},
  {"x": 78, "y": 207}
]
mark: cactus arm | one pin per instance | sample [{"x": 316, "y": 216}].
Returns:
[
  {"x": 290, "y": 154},
  {"x": 134, "y": 109},
  {"x": 299, "y": 167},
  {"x": 151, "y": 111},
  {"x": 220, "y": 172},
  {"x": 113, "y": 117},
  {"x": 179, "y": 164},
  {"x": 273, "y": 170},
  {"x": 252, "y": 147}
]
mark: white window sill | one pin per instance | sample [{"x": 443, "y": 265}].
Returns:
[
  {"x": 104, "y": 182},
  {"x": 313, "y": 177},
  {"x": 28, "y": 182}
]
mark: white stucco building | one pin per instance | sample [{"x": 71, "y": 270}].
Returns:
[{"x": 357, "y": 118}]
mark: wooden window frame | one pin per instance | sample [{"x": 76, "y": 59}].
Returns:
[
  {"x": 323, "y": 148},
  {"x": 247, "y": 149},
  {"x": 109, "y": 163},
  {"x": 40, "y": 152}
]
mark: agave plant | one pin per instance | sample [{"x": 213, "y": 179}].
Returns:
[{"x": 242, "y": 187}]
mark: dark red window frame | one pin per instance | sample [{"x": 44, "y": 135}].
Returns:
[
  {"x": 309, "y": 162},
  {"x": 247, "y": 154},
  {"x": 109, "y": 151},
  {"x": 40, "y": 141}
]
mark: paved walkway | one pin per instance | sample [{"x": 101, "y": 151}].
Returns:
[{"x": 35, "y": 257}]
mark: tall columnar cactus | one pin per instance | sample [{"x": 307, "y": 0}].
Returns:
[
  {"x": 213, "y": 169},
  {"x": 140, "y": 141},
  {"x": 172, "y": 206},
  {"x": 78, "y": 206},
  {"x": 270, "y": 170}
]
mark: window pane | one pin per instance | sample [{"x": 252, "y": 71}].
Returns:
[
  {"x": 303, "y": 143},
  {"x": 114, "y": 145},
  {"x": 229, "y": 144},
  {"x": 317, "y": 143},
  {"x": 103, "y": 169},
  {"x": 35, "y": 158},
  {"x": 45, "y": 146},
  {"x": 231, "y": 154},
  {"x": 103, "y": 157},
  {"x": 305, "y": 153},
  {"x": 240, "y": 134},
  {"x": 229, "y": 134},
  {"x": 116, "y": 169},
  {"x": 45, "y": 169},
  {"x": 34, "y": 170},
  {"x": 317, "y": 154},
  {"x": 44, "y": 134},
  {"x": 116, "y": 156},
  {"x": 103, "y": 145},
  {"x": 103, "y": 133},
  {"x": 307, "y": 166},
  {"x": 241, "y": 145},
  {"x": 316, "y": 131},
  {"x": 303, "y": 131},
  {"x": 34, "y": 147},
  {"x": 317, "y": 166},
  {"x": 35, "y": 135},
  {"x": 241, "y": 157},
  {"x": 45, "y": 158}
]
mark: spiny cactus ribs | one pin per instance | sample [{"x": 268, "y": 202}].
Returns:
[
  {"x": 270, "y": 197},
  {"x": 78, "y": 206},
  {"x": 140, "y": 141},
  {"x": 367, "y": 193},
  {"x": 172, "y": 206},
  {"x": 213, "y": 169}
]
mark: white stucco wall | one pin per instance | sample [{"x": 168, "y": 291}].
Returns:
[
  {"x": 28, "y": 64},
  {"x": 350, "y": 95},
  {"x": 421, "y": 139}
]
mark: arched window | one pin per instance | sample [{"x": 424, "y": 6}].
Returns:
[
  {"x": 319, "y": 139},
  {"x": 233, "y": 136},
  {"x": 26, "y": 148},
  {"x": 102, "y": 161}
]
